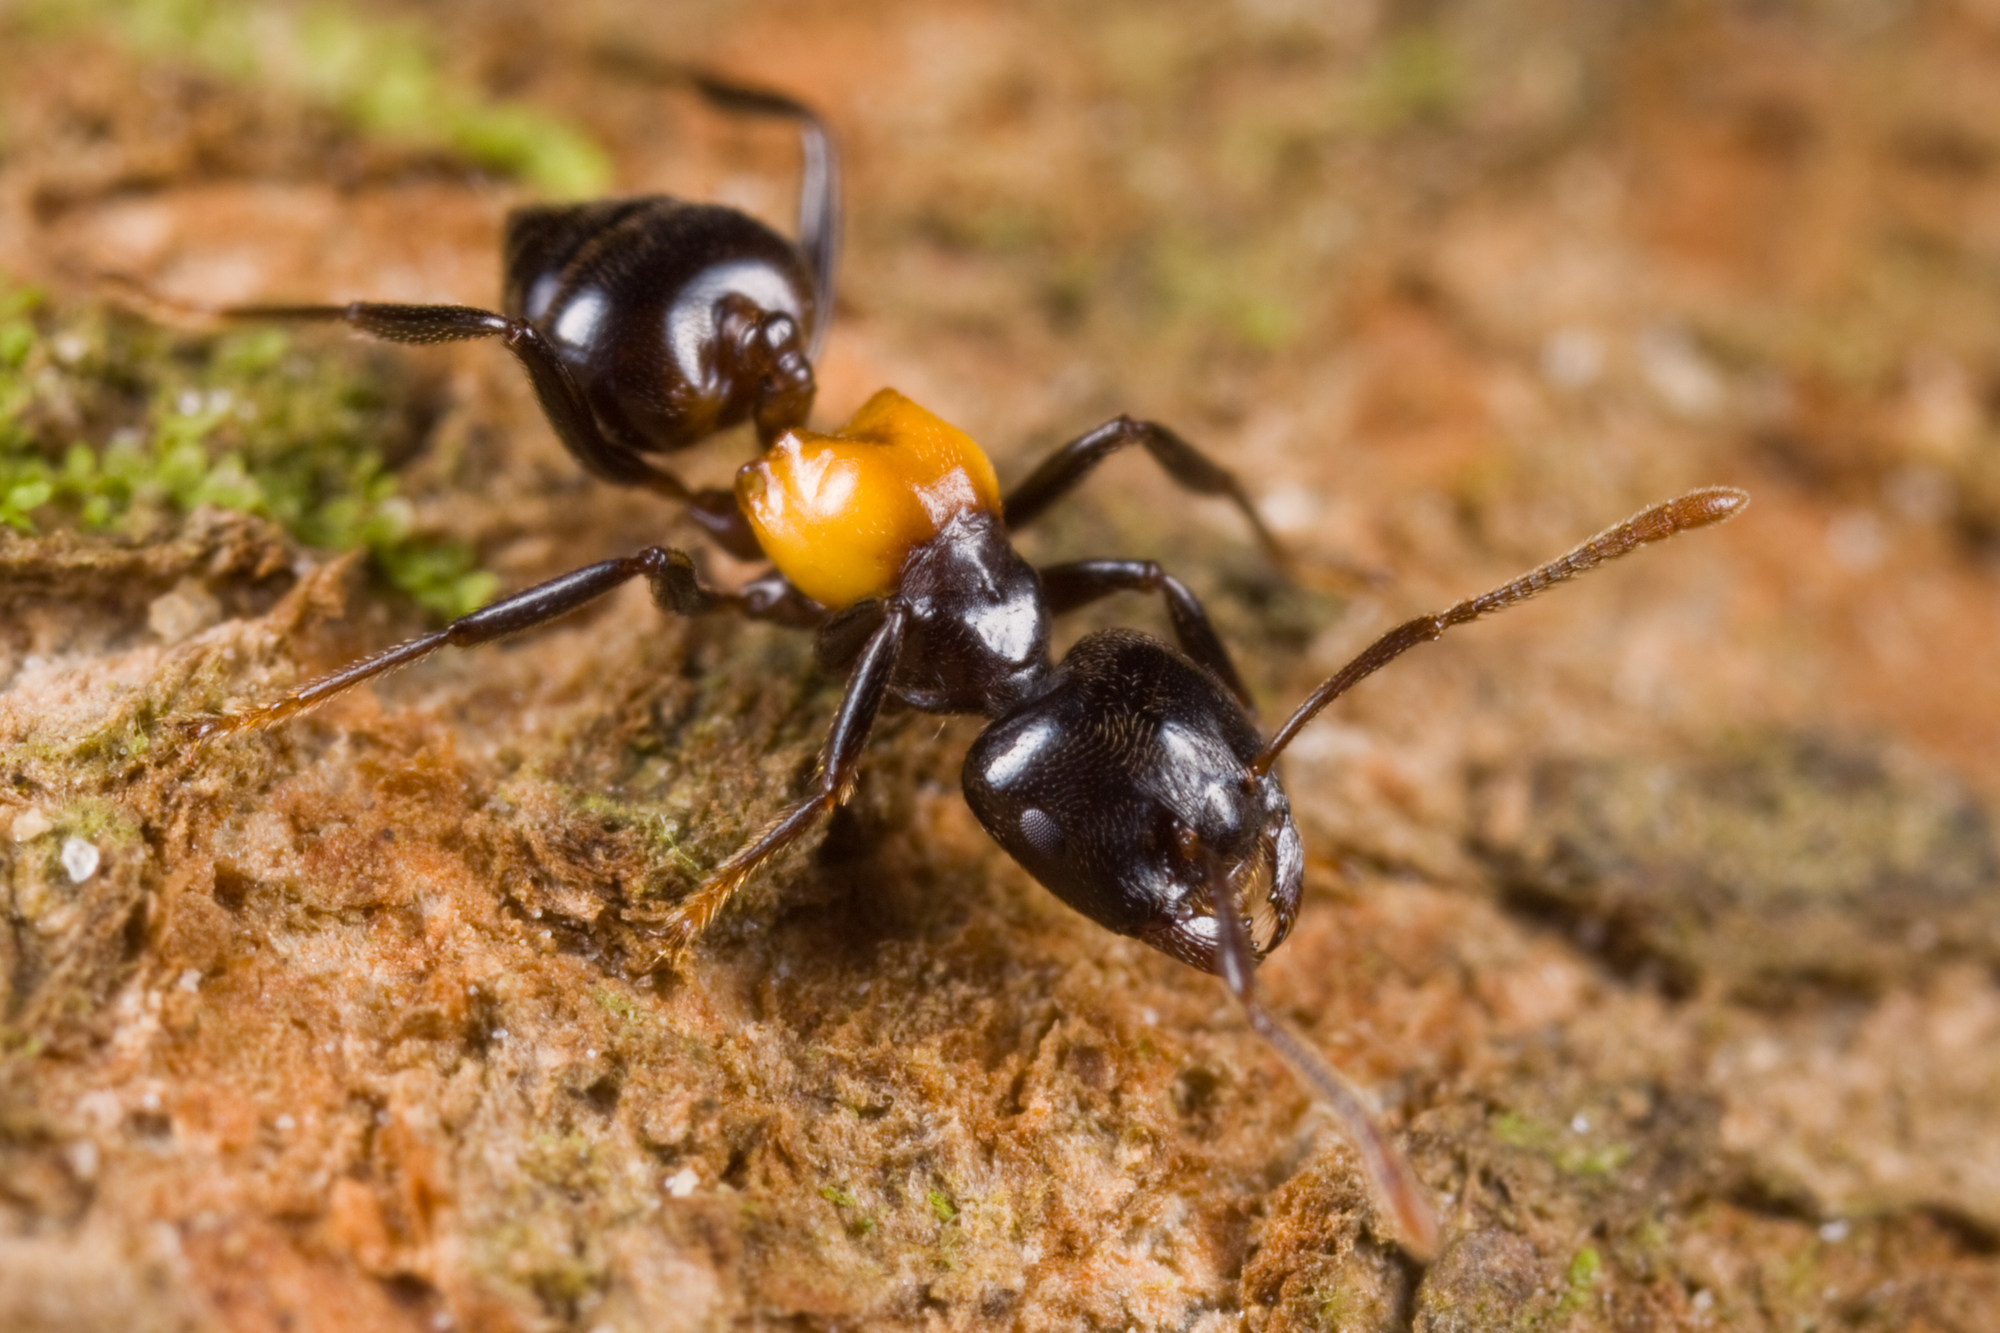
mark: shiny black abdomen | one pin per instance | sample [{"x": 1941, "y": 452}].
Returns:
[{"x": 633, "y": 293}]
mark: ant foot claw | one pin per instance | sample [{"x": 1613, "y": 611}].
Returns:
[{"x": 677, "y": 932}]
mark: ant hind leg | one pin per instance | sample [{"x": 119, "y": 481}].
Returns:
[
  {"x": 602, "y": 455},
  {"x": 819, "y": 182},
  {"x": 676, "y": 590},
  {"x": 819, "y": 219}
]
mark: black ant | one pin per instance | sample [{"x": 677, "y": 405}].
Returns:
[{"x": 1129, "y": 778}]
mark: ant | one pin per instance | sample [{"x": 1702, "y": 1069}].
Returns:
[{"x": 1129, "y": 778}]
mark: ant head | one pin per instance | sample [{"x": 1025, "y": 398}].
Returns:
[{"x": 1124, "y": 787}]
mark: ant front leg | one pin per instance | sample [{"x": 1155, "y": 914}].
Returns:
[
  {"x": 839, "y": 763},
  {"x": 1186, "y": 465},
  {"x": 1084, "y": 581},
  {"x": 676, "y": 589}
]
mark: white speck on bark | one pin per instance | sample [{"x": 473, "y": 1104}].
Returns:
[{"x": 79, "y": 858}]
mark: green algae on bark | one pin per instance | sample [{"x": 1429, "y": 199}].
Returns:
[
  {"x": 1770, "y": 865},
  {"x": 381, "y": 75},
  {"x": 110, "y": 426}
]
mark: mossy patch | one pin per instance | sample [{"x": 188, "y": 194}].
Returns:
[
  {"x": 566, "y": 1161},
  {"x": 383, "y": 76},
  {"x": 1415, "y": 79},
  {"x": 1580, "y": 1281},
  {"x": 110, "y": 426},
  {"x": 1572, "y": 1153},
  {"x": 1773, "y": 861}
]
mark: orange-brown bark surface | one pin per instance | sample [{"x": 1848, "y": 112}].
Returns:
[{"x": 1662, "y": 918}]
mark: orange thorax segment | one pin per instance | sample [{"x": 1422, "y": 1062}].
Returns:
[{"x": 838, "y": 513}]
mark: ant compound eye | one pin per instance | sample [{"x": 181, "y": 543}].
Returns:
[{"x": 1041, "y": 831}]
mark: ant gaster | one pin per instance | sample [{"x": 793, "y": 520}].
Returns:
[{"x": 1129, "y": 778}]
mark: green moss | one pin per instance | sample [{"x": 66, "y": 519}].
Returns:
[
  {"x": 664, "y": 846},
  {"x": 1570, "y": 1156},
  {"x": 1580, "y": 1282},
  {"x": 97, "y": 821},
  {"x": 382, "y": 76},
  {"x": 941, "y": 1205},
  {"x": 614, "y": 1004},
  {"x": 1416, "y": 78},
  {"x": 858, "y": 1225},
  {"x": 1517, "y": 1131},
  {"x": 1604, "y": 1159},
  {"x": 18, "y": 1044},
  {"x": 106, "y": 426},
  {"x": 1234, "y": 289},
  {"x": 563, "y": 1282},
  {"x": 1769, "y": 861},
  {"x": 566, "y": 1161}
]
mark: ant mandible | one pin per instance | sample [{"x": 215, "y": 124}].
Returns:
[{"x": 1129, "y": 778}]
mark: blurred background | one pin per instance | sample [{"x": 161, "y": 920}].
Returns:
[{"x": 1698, "y": 856}]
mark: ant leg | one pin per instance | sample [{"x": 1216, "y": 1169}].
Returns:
[
  {"x": 819, "y": 176},
  {"x": 1081, "y": 582},
  {"x": 1387, "y": 1169},
  {"x": 603, "y": 456},
  {"x": 839, "y": 762},
  {"x": 676, "y": 589},
  {"x": 1189, "y": 467},
  {"x": 771, "y": 597}
]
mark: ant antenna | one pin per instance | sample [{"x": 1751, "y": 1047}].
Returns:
[
  {"x": 1696, "y": 509},
  {"x": 1394, "y": 1179}
]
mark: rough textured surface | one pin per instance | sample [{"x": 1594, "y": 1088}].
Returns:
[{"x": 1659, "y": 917}]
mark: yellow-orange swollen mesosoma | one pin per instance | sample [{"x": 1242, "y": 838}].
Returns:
[{"x": 838, "y": 513}]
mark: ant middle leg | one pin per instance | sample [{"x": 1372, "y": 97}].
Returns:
[
  {"x": 676, "y": 589},
  {"x": 1081, "y": 582},
  {"x": 839, "y": 764},
  {"x": 1189, "y": 468}
]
